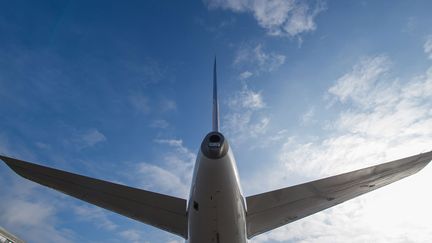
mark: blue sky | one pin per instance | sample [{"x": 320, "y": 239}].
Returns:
[{"x": 122, "y": 91}]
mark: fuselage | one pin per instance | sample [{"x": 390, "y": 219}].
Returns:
[{"x": 216, "y": 209}]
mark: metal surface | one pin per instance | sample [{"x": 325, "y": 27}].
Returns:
[
  {"x": 214, "y": 145},
  {"x": 220, "y": 215}
]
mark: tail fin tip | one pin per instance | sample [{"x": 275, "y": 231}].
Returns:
[{"x": 215, "y": 100}]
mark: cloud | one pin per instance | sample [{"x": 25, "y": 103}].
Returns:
[
  {"x": 427, "y": 47},
  {"x": 172, "y": 175},
  {"x": 90, "y": 138},
  {"x": 137, "y": 236},
  {"x": 357, "y": 84},
  {"x": 410, "y": 25},
  {"x": 278, "y": 17},
  {"x": 162, "y": 179},
  {"x": 216, "y": 28},
  {"x": 81, "y": 139},
  {"x": 256, "y": 57},
  {"x": 307, "y": 117},
  {"x": 95, "y": 215},
  {"x": 140, "y": 103},
  {"x": 246, "y": 99},
  {"x": 4, "y": 145},
  {"x": 160, "y": 123},
  {"x": 168, "y": 105},
  {"x": 132, "y": 236},
  {"x": 24, "y": 213},
  {"x": 386, "y": 120},
  {"x": 29, "y": 213},
  {"x": 246, "y": 75},
  {"x": 42, "y": 145},
  {"x": 244, "y": 119}
]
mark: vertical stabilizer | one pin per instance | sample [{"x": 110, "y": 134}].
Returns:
[{"x": 215, "y": 101}]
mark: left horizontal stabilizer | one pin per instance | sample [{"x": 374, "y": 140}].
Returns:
[{"x": 161, "y": 211}]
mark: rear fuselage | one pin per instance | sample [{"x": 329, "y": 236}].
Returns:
[{"x": 216, "y": 210}]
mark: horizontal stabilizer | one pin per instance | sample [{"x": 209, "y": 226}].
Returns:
[
  {"x": 161, "y": 211},
  {"x": 273, "y": 209}
]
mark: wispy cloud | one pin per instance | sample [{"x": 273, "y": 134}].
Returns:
[
  {"x": 168, "y": 105},
  {"x": 159, "y": 123},
  {"x": 173, "y": 174},
  {"x": 246, "y": 99},
  {"x": 162, "y": 179},
  {"x": 30, "y": 213},
  {"x": 307, "y": 117},
  {"x": 132, "y": 235},
  {"x": 139, "y": 102},
  {"x": 25, "y": 210},
  {"x": 42, "y": 145},
  {"x": 215, "y": 27},
  {"x": 410, "y": 24},
  {"x": 278, "y": 17},
  {"x": 387, "y": 120},
  {"x": 245, "y": 75},
  {"x": 87, "y": 138},
  {"x": 359, "y": 82},
  {"x": 143, "y": 104},
  {"x": 428, "y": 46},
  {"x": 95, "y": 215},
  {"x": 256, "y": 58},
  {"x": 4, "y": 145},
  {"x": 244, "y": 119}
]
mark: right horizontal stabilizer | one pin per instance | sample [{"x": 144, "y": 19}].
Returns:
[{"x": 273, "y": 209}]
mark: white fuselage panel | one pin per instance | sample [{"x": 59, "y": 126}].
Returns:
[{"x": 216, "y": 209}]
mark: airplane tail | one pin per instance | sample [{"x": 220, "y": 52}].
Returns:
[{"x": 215, "y": 101}]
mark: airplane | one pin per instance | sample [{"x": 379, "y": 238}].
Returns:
[{"x": 216, "y": 210}]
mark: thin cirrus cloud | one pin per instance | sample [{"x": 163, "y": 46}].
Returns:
[
  {"x": 159, "y": 123},
  {"x": 171, "y": 175},
  {"x": 245, "y": 75},
  {"x": 89, "y": 138},
  {"x": 357, "y": 84},
  {"x": 257, "y": 58},
  {"x": 132, "y": 235},
  {"x": 95, "y": 215},
  {"x": 246, "y": 99},
  {"x": 168, "y": 105},
  {"x": 81, "y": 139},
  {"x": 139, "y": 102},
  {"x": 427, "y": 47},
  {"x": 308, "y": 117},
  {"x": 394, "y": 121},
  {"x": 245, "y": 118},
  {"x": 31, "y": 211},
  {"x": 142, "y": 104},
  {"x": 278, "y": 17},
  {"x": 26, "y": 208}
]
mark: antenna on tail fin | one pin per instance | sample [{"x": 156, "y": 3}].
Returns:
[{"x": 215, "y": 100}]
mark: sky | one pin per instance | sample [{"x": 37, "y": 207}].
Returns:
[{"x": 121, "y": 91}]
